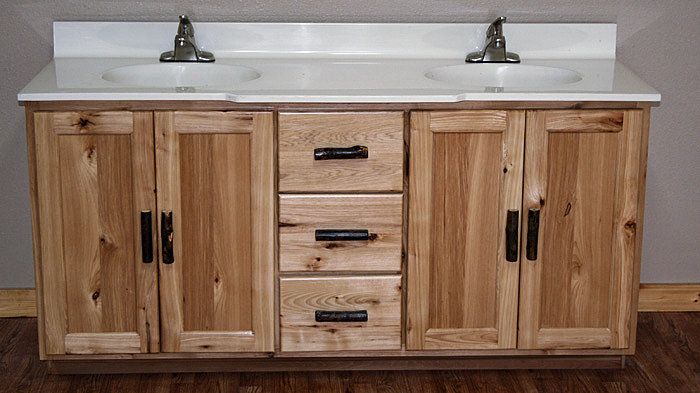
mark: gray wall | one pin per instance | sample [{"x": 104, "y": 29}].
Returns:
[{"x": 657, "y": 39}]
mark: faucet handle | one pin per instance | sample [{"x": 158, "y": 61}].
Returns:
[
  {"x": 185, "y": 28},
  {"x": 496, "y": 28}
]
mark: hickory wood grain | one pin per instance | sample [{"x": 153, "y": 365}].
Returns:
[
  {"x": 302, "y": 215},
  {"x": 301, "y": 297},
  {"x": 462, "y": 293},
  {"x": 300, "y": 133},
  {"x": 669, "y": 297},
  {"x": 93, "y": 122},
  {"x": 219, "y": 187},
  {"x": 578, "y": 293},
  {"x": 87, "y": 209},
  {"x": 18, "y": 303}
]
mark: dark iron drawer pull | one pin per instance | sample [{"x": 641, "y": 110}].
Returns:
[
  {"x": 341, "y": 153},
  {"x": 337, "y": 235},
  {"x": 146, "y": 236},
  {"x": 533, "y": 230},
  {"x": 341, "y": 316},
  {"x": 512, "y": 223},
  {"x": 166, "y": 237}
]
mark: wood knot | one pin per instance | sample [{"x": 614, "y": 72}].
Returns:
[
  {"x": 90, "y": 153},
  {"x": 331, "y": 246},
  {"x": 568, "y": 209},
  {"x": 314, "y": 264},
  {"x": 541, "y": 201},
  {"x": 631, "y": 225},
  {"x": 95, "y": 295},
  {"x": 216, "y": 280},
  {"x": 84, "y": 123},
  {"x": 373, "y": 237}
]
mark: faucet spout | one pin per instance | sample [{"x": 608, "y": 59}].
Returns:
[
  {"x": 495, "y": 47},
  {"x": 186, "y": 49}
]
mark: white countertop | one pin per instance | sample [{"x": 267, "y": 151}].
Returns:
[{"x": 353, "y": 63}]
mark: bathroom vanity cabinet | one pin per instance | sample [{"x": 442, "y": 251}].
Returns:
[{"x": 204, "y": 235}]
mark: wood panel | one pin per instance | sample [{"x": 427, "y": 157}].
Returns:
[
  {"x": 18, "y": 303},
  {"x": 578, "y": 292},
  {"x": 301, "y": 133},
  {"x": 462, "y": 293},
  {"x": 118, "y": 122},
  {"x": 92, "y": 186},
  {"x": 301, "y": 215},
  {"x": 219, "y": 185},
  {"x": 380, "y": 296},
  {"x": 669, "y": 297}
]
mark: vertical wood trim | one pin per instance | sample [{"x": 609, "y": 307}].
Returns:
[
  {"x": 641, "y": 188},
  {"x": 144, "y": 183},
  {"x": 263, "y": 231},
  {"x": 36, "y": 238},
  {"x": 625, "y": 233},
  {"x": 51, "y": 234},
  {"x": 535, "y": 181},
  {"x": 419, "y": 238},
  {"x": 168, "y": 199},
  {"x": 511, "y": 199}
]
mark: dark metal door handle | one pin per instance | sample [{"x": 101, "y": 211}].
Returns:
[
  {"x": 166, "y": 237},
  {"x": 336, "y": 235},
  {"x": 512, "y": 224},
  {"x": 533, "y": 233},
  {"x": 341, "y": 153},
  {"x": 341, "y": 316},
  {"x": 146, "y": 236}
]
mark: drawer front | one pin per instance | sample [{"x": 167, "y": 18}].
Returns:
[
  {"x": 336, "y": 152},
  {"x": 340, "y": 313},
  {"x": 340, "y": 232}
]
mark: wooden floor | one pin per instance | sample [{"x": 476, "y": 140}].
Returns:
[{"x": 667, "y": 360}]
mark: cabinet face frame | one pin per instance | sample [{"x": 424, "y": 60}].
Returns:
[
  {"x": 483, "y": 127},
  {"x": 88, "y": 165},
  {"x": 623, "y": 182},
  {"x": 171, "y": 128}
]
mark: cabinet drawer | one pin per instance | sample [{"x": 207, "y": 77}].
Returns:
[
  {"x": 325, "y": 152},
  {"x": 340, "y": 313},
  {"x": 340, "y": 232}
]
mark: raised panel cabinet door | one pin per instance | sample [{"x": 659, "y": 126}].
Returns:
[
  {"x": 94, "y": 184},
  {"x": 580, "y": 203},
  {"x": 465, "y": 193},
  {"x": 215, "y": 178}
]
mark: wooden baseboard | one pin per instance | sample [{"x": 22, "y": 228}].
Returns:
[
  {"x": 17, "y": 303},
  {"x": 652, "y": 297},
  {"x": 669, "y": 297},
  {"x": 357, "y": 364}
]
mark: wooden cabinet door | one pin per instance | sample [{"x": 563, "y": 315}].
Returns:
[
  {"x": 215, "y": 178},
  {"x": 465, "y": 176},
  {"x": 582, "y": 173},
  {"x": 95, "y": 176}
]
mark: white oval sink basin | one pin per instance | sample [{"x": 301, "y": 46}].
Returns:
[
  {"x": 180, "y": 75},
  {"x": 503, "y": 75}
]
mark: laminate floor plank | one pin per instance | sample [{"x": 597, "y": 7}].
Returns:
[{"x": 667, "y": 360}]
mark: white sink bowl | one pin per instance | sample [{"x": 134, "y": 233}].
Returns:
[
  {"x": 180, "y": 75},
  {"x": 503, "y": 75}
]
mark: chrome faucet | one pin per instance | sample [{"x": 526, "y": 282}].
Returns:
[
  {"x": 186, "y": 49},
  {"x": 495, "y": 47}
]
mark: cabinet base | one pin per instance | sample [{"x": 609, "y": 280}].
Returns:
[{"x": 330, "y": 364}]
